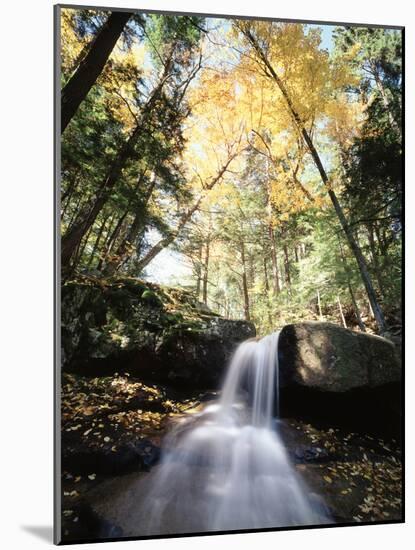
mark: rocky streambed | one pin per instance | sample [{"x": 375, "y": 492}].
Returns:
[
  {"x": 137, "y": 358},
  {"x": 106, "y": 455}
]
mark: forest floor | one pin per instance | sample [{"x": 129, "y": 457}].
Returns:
[{"x": 112, "y": 432}]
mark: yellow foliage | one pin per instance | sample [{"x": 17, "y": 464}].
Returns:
[{"x": 72, "y": 45}]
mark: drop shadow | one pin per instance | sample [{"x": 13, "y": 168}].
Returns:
[{"x": 43, "y": 532}]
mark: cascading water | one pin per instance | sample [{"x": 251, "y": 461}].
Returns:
[{"x": 227, "y": 468}]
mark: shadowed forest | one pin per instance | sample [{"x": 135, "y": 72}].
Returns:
[{"x": 245, "y": 161}]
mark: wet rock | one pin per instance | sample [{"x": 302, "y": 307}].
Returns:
[
  {"x": 82, "y": 524},
  {"x": 139, "y": 455},
  {"x": 333, "y": 376},
  {"x": 330, "y": 358},
  {"x": 357, "y": 477}
]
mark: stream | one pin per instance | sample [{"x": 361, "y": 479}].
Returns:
[{"x": 226, "y": 467}]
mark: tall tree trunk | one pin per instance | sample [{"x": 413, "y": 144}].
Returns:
[
  {"x": 88, "y": 215},
  {"x": 267, "y": 296},
  {"x": 97, "y": 241},
  {"x": 274, "y": 260},
  {"x": 121, "y": 254},
  {"x": 367, "y": 281},
  {"x": 74, "y": 213},
  {"x": 65, "y": 203},
  {"x": 320, "y": 314},
  {"x": 123, "y": 251},
  {"x": 266, "y": 281},
  {"x": 356, "y": 308},
  {"x": 205, "y": 279},
  {"x": 287, "y": 266},
  {"x": 199, "y": 271},
  {"x": 85, "y": 76},
  {"x": 349, "y": 286},
  {"x": 206, "y": 271},
  {"x": 247, "y": 312},
  {"x": 66, "y": 196},
  {"x": 112, "y": 237},
  {"x": 82, "y": 245},
  {"x": 382, "y": 241},
  {"x": 166, "y": 241},
  {"x": 252, "y": 271},
  {"x": 371, "y": 312},
  {"x": 343, "y": 320},
  {"x": 373, "y": 253}
]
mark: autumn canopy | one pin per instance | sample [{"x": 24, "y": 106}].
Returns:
[{"x": 259, "y": 162}]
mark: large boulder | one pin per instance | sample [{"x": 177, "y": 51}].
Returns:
[
  {"x": 158, "y": 333},
  {"x": 336, "y": 377},
  {"x": 327, "y": 357}
]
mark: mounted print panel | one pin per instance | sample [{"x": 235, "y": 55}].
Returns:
[{"x": 229, "y": 203}]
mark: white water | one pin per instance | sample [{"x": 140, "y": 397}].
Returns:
[{"x": 227, "y": 468}]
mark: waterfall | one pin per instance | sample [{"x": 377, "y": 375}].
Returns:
[{"x": 226, "y": 468}]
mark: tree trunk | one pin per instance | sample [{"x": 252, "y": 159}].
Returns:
[
  {"x": 382, "y": 241},
  {"x": 74, "y": 214},
  {"x": 320, "y": 314},
  {"x": 356, "y": 309},
  {"x": 274, "y": 260},
  {"x": 199, "y": 271},
  {"x": 371, "y": 312},
  {"x": 287, "y": 266},
  {"x": 266, "y": 281},
  {"x": 373, "y": 253},
  {"x": 82, "y": 245},
  {"x": 97, "y": 241},
  {"x": 85, "y": 76},
  {"x": 377, "y": 310},
  {"x": 88, "y": 215},
  {"x": 267, "y": 296},
  {"x": 349, "y": 286},
  {"x": 343, "y": 320},
  {"x": 82, "y": 223},
  {"x": 120, "y": 256},
  {"x": 247, "y": 312},
  {"x": 66, "y": 196},
  {"x": 206, "y": 272},
  {"x": 166, "y": 241},
  {"x": 112, "y": 237}
]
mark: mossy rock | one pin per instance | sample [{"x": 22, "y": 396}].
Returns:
[
  {"x": 154, "y": 332},
  {"x": 151, "y": 298}
]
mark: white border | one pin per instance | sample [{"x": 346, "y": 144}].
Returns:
[{"x": 26, "y": 227}]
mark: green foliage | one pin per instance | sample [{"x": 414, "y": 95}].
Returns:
[
  {"x": 162, "y": 31},
  {"x": 264, "y": 243}
]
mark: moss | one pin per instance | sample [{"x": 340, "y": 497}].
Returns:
[
  {"x": 151, "y": 298},
  {"x": 173, "y": 318},
  {"x": 134, "y": 286},
  {"x": 187, "y": 328}
]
